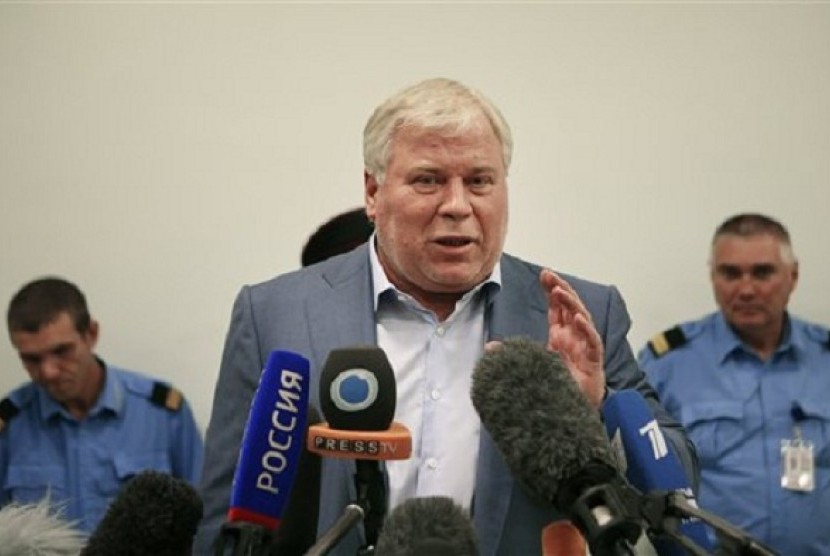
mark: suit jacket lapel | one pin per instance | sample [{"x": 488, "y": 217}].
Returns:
[
  {"x": 519, "y": 309},
  {"x": 341, "y": 313}
]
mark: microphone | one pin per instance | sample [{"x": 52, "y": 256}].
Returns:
[
  {"x": 269, "y": 455},
  {"x": 154, "y": 513},
  {"x": 298, "y": 527},
  {"x": 428, "y": 526},
  {"x": 650, "y": 463},
  {"x": 358, "y": 396},
  {"x": 553, "y": 441},
  {"x": 37, "y": 528}
]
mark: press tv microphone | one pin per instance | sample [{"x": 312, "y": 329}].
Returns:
[
  {"x": 649, "y": 462},
  {"x": 428, "y": 526},
  {"x": 553, "y": 441},
  {"x": 358, "y": 397},
  {"x": 154, "y": 513},
  {"x": 269, "y": 456}
]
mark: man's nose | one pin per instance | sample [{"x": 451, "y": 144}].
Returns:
[
  {"x": 49, "y": 368},
  {"x": 456, "y": 201}
]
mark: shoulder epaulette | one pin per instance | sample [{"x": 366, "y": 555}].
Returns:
[
  {"x": 667, "y": 341},
  {"x": 166, "y": 396},
  {"x": 8, "y": 410}
]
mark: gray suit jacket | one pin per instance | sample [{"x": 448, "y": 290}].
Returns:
[{"x": 329, "y": 305}]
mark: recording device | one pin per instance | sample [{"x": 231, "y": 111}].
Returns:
[
  {"x": 650, "y": 464},
  {"x": 553, "y": 441},
  {"x": 269, "y": 456},
  {"x": 428, "y": 526},
  {"x": 154, "y": 513},
  {"x": 298, "y": 527},
  {"x": 555, "y": 444},
  {"x": 358, "y": 397}
]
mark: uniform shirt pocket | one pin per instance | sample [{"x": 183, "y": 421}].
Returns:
[
  {"x": 716, "y": 428},
  {"x": 127, "y": 465},
  {"x": 29, "y": 483}
]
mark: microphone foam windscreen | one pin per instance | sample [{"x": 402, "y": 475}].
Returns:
[
  {"x": 429, "y": 526},
  {"x": 154, "y": 513},
  {"x": 357, "y": 389},
  {"x": 540, "y": 420}
]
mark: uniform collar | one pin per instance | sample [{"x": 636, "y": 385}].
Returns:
[
  {"x": 111, "y": 398},
  {"x": 727, "y": 343}
]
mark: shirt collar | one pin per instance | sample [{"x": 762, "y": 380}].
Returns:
[
  {"x": 728, "y": 343},
  {"x": 111, "y": 398},
  {"x": 381, "y": 283}
]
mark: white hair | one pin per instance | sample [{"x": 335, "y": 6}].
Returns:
[{"x": 37, "y": 530}]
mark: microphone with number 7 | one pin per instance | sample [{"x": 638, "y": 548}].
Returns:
[
  {"x": 269, "y": 456},
  {"x": 649, "y": 462}
]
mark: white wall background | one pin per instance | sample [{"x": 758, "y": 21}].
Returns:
[{"x": 163, "y": 154}]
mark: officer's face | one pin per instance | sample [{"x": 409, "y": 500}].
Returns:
[
  {"x": 60, "y": 359},
  {"x": 752, "y": 281}
]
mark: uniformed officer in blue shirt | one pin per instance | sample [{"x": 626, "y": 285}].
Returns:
[
  {"x": 751, "y": 384},
  {"x": 82, "y": 427}
]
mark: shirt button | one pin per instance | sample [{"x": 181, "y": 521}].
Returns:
[
  {"x": 439, "y": 331},
  {"x": 432, "y": 463},
  {"x": 435, "y": 394}
]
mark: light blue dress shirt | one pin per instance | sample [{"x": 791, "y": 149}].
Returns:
[
  {"x": 80, "y": 465},
  {"x": 433, "y": 363},
  {"x": 737, "y": 410}
]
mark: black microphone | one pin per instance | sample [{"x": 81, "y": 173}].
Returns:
[
  {"x": 298, "y": 529},
  {"x": 554, "y": 442},
  {"x": 154, "y": 513},
  {"x": 358, "y": 397},
  {"x": 428, "y": 526}
]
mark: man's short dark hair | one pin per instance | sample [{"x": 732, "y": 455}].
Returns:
[
  {"x": 41, "y": 301},
  {"x": 753, "y": 224},
  {"x": 340, "y": 234}
]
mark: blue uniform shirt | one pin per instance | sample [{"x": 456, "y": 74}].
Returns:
[
  {"x": 737, "y": 410},
  {"x": 82, "y": 464}
]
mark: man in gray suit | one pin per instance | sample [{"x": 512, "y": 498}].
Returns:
[{"x": 431, "y": 287}]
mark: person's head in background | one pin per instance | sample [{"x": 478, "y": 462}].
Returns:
[
  {"x": 436, "y": 159},
  {"x": 340, "y": 234},
  {"x": 753, "y": 270},
  {"x": 51, "y": 328},
  {"x": 36, "y": 530}
]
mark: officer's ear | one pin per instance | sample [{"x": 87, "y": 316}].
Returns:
[{"x": 91, "y": 334}]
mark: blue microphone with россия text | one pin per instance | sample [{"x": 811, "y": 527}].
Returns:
[{"x": 269, "y": 456}]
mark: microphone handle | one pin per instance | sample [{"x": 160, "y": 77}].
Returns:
[
  {"x": 350, "y": 517},
  {"x": 371, "y": 496},
  {"x": 245, "y": 539}
]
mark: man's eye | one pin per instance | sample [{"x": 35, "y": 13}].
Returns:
[
  {"x": 729, "y": 272},
  {"x": 480, "y": 181},
  {"x": 763, "y": 272}
]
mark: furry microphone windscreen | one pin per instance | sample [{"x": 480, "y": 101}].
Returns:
[
  {"x": 37, "y": 530},
  {"x": 155, "y": 513},
  {"x": 542, "y": 423},
  {"x": 428, "y": 526}
]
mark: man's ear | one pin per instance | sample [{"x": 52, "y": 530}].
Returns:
[
  {"x": 370, "y": 189},
  {"x": 91, "y": 334}
]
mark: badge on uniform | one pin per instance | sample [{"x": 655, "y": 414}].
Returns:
[{"x": 798, "y": 471}]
